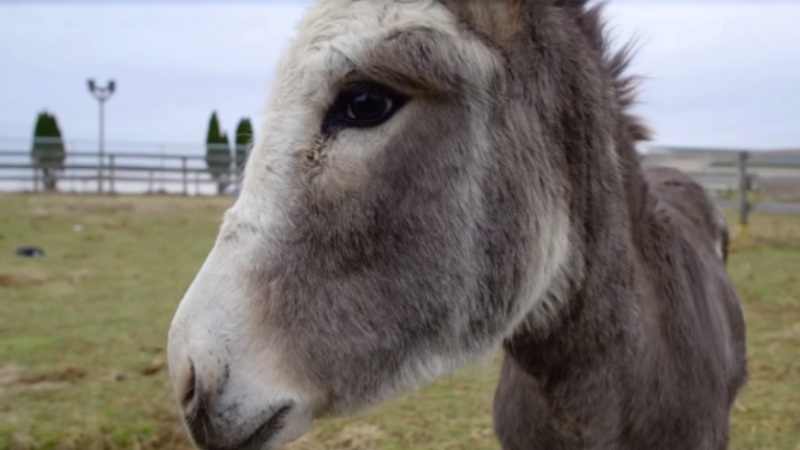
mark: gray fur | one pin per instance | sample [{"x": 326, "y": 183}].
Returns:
[{"x": 635, "y": 339}]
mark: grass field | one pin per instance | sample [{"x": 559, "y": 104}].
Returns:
[{"x": 83, "y": 331}]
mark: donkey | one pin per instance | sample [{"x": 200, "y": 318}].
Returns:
[{"x": 439, "y": 179}]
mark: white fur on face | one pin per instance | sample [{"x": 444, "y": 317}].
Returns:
[
  {"x": 333, "y": 39},
  {"x": 215, "y": 325}
]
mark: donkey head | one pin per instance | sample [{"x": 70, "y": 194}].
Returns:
[{"x": 406, "y": 208}]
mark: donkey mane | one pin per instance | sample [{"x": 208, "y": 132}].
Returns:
[
  {"x": 612, "y": 63},
  {"x": 615, "y": 62}
]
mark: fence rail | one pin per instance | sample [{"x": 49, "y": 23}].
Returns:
[
  {"x": 123, "y": 172},
  {"x": 747, "y": 181},
  {"x": 767, "y": 181}
]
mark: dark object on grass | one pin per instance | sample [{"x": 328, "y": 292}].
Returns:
[{"x": 30, "y": 252}]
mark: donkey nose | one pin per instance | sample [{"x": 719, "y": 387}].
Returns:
[
  {"x": 198, "y": 395},
  {"x": 197, "y": 387},
  {"x": 189, "y": 388}
]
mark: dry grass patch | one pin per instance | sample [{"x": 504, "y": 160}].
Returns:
[
  {"x": 83, "y": 334},
  {"x": 22, "y": 278}
]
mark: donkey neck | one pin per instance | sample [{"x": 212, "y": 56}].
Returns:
[
  {"x": 558, "y": 381},
  {"x": 557, "y": 374},
  {"x": 601, "y": 288}
]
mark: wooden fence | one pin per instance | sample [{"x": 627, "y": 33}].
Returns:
[
  {"x": 743, "y": 180},
  {"x": 120, "y": 172},
  {"x": 767, "y": 181}
]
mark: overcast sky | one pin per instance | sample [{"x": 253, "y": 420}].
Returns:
[{"x": 722, "y": 74}]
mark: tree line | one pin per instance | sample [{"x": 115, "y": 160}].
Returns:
[{"x": 224, "y": 162}]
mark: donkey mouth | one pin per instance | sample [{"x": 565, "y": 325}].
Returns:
[
  {"x": 258, "y": 440},
  {"x": 261, "y": 437}
]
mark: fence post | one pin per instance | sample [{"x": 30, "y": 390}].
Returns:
[
  {"x": 185, "y": 175},
  {"x": 161, "y": 175},
  {"x": 35, "y": 179},
  {"x": 111, "y": 174},
  {"x": 744, "y": 189},
  {"x": 197, "y": 184}
]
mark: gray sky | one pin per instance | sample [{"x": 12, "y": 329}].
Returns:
[{"x": 719, "y": 73}]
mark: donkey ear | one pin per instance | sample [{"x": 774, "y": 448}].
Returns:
[{"x": 499, "y": 20}]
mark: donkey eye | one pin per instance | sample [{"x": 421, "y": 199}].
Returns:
[
  {"x": 368, "y": 107},
  {"x": 364, "y": 105}
]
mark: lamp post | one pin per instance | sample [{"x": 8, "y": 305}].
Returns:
[{"x": 102, "y": 94}]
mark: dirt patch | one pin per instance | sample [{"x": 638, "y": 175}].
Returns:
[
  {"x": 784, "y": 311},
  {"x": 22, "y": 279},
  {"x": 154, "y": 367},
  {"x": 12, "y": 375},
  {"x": 152, "y": 349},
  {"x": 60, "y": 376},
  {"x": 15, "y": 380},
  {"x": 357, "y": 437},
  {"x": 114, "y": 377},
  {"x": 352, "y": 437}
]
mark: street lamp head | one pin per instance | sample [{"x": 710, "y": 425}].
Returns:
[
  {"x": 111, "y": 86},
  {"x": 91, "y": 84}
]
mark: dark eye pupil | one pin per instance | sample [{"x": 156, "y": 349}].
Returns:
[
  {"x": 368, "y": 106},
  {"x": 362, "y": 105}
]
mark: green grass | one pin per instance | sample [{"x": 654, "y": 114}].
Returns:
[{"x": 83, "y": 331}]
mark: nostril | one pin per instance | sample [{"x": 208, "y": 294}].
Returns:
[{"x": 190, "y": 390}]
